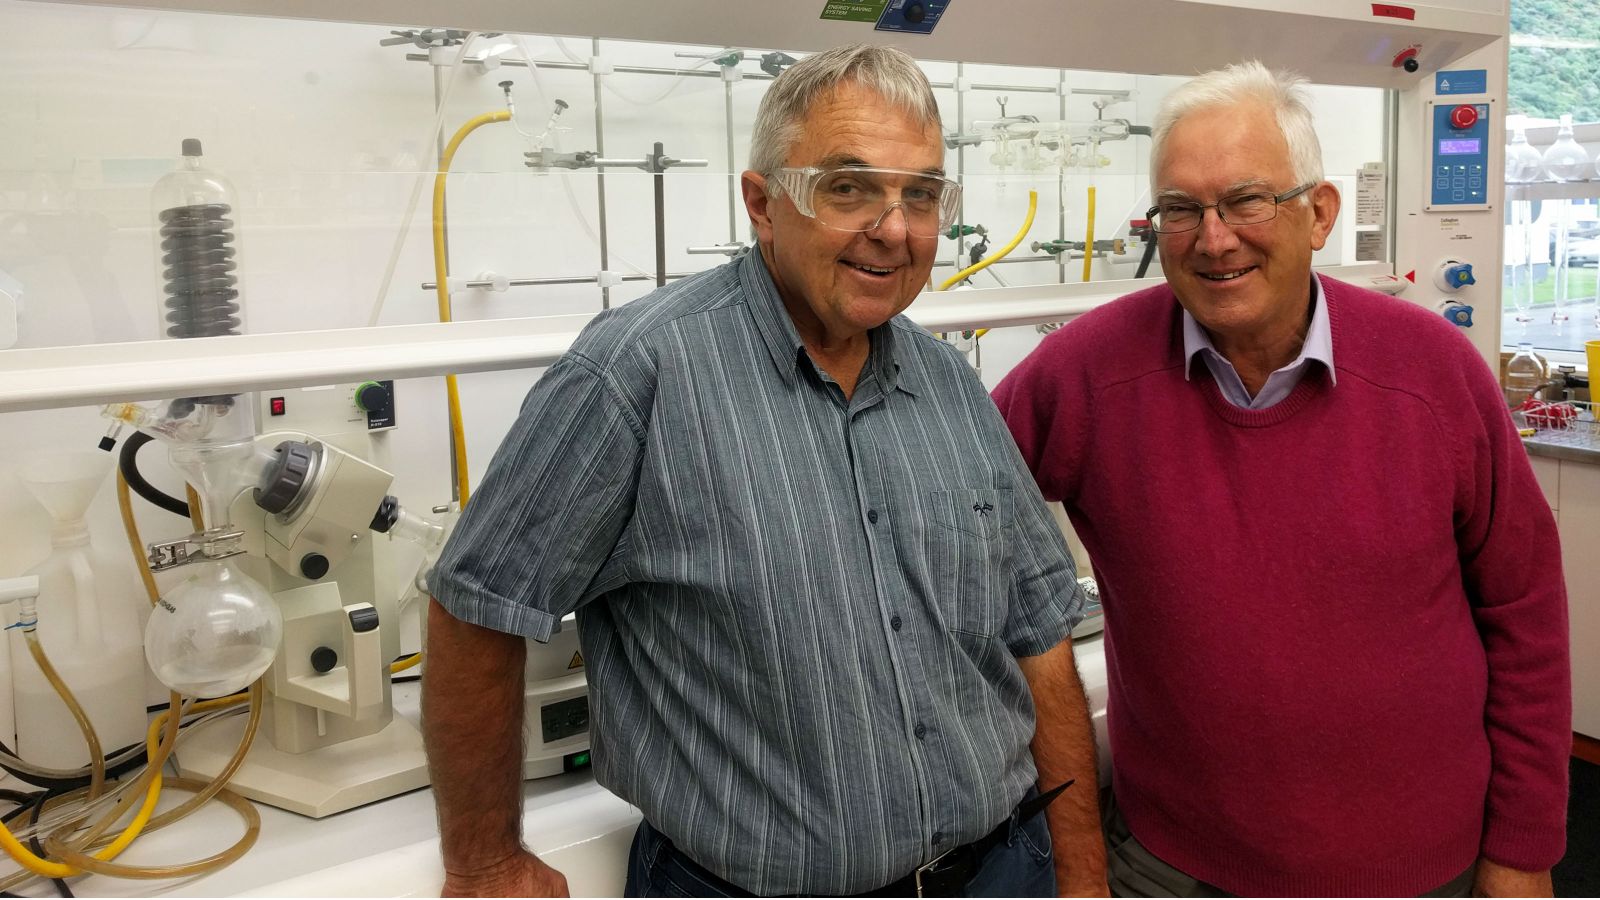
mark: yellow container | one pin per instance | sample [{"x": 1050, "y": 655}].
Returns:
[{"x": 1591, "y": 349}]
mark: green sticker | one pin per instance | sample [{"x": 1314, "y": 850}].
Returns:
[{"x": 853, "y": 10}]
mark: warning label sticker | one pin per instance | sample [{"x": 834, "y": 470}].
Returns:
[{"x": 577, "y": 661}]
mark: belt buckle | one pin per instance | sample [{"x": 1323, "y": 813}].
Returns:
[{"x": 927, "y": 866}]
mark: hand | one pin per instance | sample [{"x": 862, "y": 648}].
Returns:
[
  {"x": 520, "y": 875},
  {"x": 1495, "y": 880}
]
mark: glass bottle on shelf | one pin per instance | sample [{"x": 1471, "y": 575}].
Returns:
[
  {"x": 1525, "y": 373},
  {"x": 1523, "y": 162},
  {"x": 1566, "y": 160}
]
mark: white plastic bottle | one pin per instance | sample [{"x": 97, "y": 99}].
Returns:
[
  {"x": 90, "y": 634},
  {"x": 1525, "y": 373}
]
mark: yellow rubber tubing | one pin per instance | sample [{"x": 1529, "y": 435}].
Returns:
[
  {"x": 1088, "y": 239},
  {"x": 986, "y": 262},
  {"x": 441, "y": 274}
]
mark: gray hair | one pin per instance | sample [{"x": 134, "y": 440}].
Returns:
[
  {"x": 893, "y": 74},
  {"x": 1282, "y": 92}
]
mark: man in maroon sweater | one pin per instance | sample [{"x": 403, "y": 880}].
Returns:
[{"x": 1336, "y": 646}]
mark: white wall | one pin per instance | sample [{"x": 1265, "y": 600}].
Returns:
[{"x": 324, "y": 132}]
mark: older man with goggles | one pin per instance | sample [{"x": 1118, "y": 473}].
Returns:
[{"x": 824, "y": 608}]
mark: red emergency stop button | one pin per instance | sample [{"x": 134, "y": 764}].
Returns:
[{"x": 1464, "y": 116}]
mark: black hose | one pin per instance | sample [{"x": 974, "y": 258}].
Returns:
[
  {"x": 129, "y": 463},
  {"x": 66, "y": 784},
  {"x": 1149, "y": 252}
]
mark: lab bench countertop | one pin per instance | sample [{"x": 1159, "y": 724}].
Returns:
[{"x": 391, "y": 848}]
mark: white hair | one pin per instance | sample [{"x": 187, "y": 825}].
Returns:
[
  {"x": 1247, "y": 82},
  {"x": 892, "y": 74}
]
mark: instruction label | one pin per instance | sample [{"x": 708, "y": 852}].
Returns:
[
  {"x": 1369, "y": 246},
  {"x": 1372, "y": 195},
  {"x": 854, "y": 10}
]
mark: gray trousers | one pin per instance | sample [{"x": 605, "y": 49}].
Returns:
[{"x": 1134, "y": 871}]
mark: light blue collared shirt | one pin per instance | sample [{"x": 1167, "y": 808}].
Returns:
[{"x": 1318, "y": 346}]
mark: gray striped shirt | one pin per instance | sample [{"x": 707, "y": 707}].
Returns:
[{"x": 800, "y": 613}]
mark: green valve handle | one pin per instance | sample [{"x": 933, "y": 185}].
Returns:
[{"x": 957, "y": 231}]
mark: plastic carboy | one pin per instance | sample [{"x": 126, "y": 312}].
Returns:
[
  {"x": 88, "y": 625},
  {"x": 1526, "y": 372}
]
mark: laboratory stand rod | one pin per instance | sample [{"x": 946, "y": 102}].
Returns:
[{"x": 600, "y": 179}]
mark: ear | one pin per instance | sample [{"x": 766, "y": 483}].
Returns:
[
  {"x": 757, "y": 203},
  {"x": 1325, "y": 203}
]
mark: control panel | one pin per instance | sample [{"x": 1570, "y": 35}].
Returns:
[
  {"x": 363, "y": 405},
  {"x": 1459, "y": 158}
]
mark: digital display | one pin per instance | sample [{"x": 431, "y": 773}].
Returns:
[{"x": 1460, "y": 147}]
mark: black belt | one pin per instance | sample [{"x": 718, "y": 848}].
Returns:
[{"x": 947, "y": 874}]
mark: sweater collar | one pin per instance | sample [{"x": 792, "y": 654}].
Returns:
[{"x": 1317, "y": 346}]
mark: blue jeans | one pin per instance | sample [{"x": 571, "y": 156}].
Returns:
[{"x": 1023, "y": 866}]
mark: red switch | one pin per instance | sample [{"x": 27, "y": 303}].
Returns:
[
  {"x": 276, "y": 406},
  {"x": 1464, "y": 116}
]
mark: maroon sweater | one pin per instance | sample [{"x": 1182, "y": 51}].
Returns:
[{"x": 1336, "y": 629}]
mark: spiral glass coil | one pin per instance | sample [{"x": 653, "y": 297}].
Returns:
[{"x": 202, "y": 294}]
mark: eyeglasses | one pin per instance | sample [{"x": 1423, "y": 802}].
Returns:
[
  {"x": 857, "y": 198},
  {"x": 1238, "y": 209}
]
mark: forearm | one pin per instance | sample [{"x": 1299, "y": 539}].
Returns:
[
  {"x": 472, "y": 728},
  {"x": 1064, "y": 749}
]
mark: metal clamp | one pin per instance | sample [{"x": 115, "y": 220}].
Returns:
[{"x": 195, "y": 548}]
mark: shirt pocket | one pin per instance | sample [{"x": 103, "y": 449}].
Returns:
[{"x": 969, "y": 557}]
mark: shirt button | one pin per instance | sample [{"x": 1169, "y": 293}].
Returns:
[
  {"x": 872, "y": 516},
  {"x": 894, "y": 622},
  {"x": 920, "y": 730},
  {"x": 938, "y": 837}
]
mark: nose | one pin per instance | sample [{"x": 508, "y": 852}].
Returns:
[
  {"x": 889, "y": 228},
  {"x": 1214, "y": 237}
]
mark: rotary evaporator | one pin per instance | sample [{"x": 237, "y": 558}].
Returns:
[{"x": 289, "y": 580}]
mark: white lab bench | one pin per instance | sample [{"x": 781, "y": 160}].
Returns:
[{"x": 390, "y": 848}]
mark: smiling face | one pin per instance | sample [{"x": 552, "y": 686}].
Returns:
[
  {"x": 837, "y": 285},
  {"x": 1247, "y": 285}
]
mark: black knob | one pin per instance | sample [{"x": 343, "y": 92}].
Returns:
[
  {"x": 323, "y": 659},
  {"x": 371, "y": 396},
  {"x": 282, "y": 481},
  {"x": 313, "y": 566},
  {"x": 915, "y": 12},
  {"x": 388, "y": 513},
  {"x": 1411, "y": 64}
]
